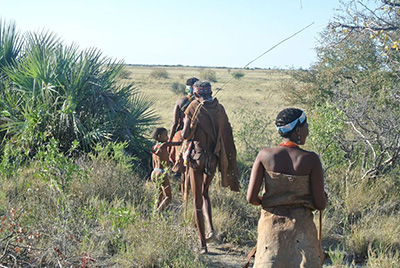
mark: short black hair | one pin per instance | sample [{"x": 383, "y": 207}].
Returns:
[
  {"x": 191, "y": 81},
  {"x": 287, "y": 116},
  {"x": 158, "y": 131}
]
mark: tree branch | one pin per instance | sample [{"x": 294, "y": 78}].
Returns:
[
  {"x": 390, "y": 3},
  {"x": 359, "y": 27},
  {"x": 365, "y": 139}
]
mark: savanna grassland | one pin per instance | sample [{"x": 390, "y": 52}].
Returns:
[
  {"x": 360, "y": 226},
  {"x": 75, "y": 149},
  {"x": 258, "y": 90}
]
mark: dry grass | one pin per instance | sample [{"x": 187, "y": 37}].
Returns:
[
  {"x": 100, "y": 207},
  {"x": 357, "y": 221},
  {"x": 257, "y": 90}
]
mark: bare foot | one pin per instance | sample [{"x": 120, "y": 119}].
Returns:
[{"x": 210, "y": 236}]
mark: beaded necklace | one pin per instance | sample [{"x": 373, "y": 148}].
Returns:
[
  {"x": 289, "y": 144},
  {"x": 156, "y": 147}
]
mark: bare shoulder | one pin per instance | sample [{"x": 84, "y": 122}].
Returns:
[
  {"x": 181, "y": 101},
  {"x": 311, "y": 157},
  {"x": 266, "y": 153}
]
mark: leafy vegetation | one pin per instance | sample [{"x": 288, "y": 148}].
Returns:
[
  {"x": 237, "y": 75},
  {"x": 352, "y": 94},
  {"x": 159, "y": 73},
  {"x": 178, "y": 88},
  {"x": 64, "y": 211},
  {"x": 72, "y": 195},
  {"x": 56, "y": 91},
  {"x": 208, "y": 75}
]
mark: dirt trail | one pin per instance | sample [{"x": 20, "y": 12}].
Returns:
[{"x": 226, "y": 255}]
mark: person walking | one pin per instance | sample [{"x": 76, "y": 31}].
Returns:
[
  {"x": 207, "y": 127},
  {"x": 294, "y": 188}
]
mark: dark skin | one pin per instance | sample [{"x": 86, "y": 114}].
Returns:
[
  {"x": 161, "y": 161},
  {"x": 200, "y": 181},
  {"x": 291, "y": 161},
  {"x": 177, "y": 123},
  {"x": 177, "y": 119}
]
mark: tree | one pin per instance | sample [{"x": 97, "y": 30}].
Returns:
[
  {"x": 352, "y": 98},
  {"x": 357, "y": 75}
]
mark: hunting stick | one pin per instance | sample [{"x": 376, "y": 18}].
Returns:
[
  {"x": 186, "y": 191},
  {"x": 284, "y": 40}
]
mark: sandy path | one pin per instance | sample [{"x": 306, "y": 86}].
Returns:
[{"x": 226, "y": 255}]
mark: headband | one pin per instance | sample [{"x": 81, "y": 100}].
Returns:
[
  {"x": 189, "y": 90},
  {"x": 202, "y": 90},
  {"x": 289, "y": 127}
]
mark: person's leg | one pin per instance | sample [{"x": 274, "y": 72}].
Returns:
[
  {"x": 166, "y": 194},
  {"x": 183, "y": 188},
  {"x": 196, "y": 182},
  {"x": 155, "y": 174},
  {"x": 207, "y": 207},
  {"x": 206, "y": 198}
]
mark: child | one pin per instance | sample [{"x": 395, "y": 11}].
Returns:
[{"x": 160, "y": 163}]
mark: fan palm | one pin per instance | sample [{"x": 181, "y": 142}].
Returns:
[
  {"x": 58, "y": 91},
  {"x": 10, "y": 43}
]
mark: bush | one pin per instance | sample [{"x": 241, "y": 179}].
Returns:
[
  {"x": 178, "y": 88},
  {"x": 60, "y": 92},
  {"x": 209, "y": 75},
  {"x": 237, "y": 75},
  {"x": 252, "y": 134},
  {"x": 88, "y": 212},
  {"x": 159, "y": 73}
]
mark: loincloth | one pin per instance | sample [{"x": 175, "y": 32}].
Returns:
[{"x": 204, "y": 160}]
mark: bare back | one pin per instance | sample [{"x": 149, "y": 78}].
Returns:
[
  {"x": 178, "y": 115},
  {"x": 290, "y": 161}
]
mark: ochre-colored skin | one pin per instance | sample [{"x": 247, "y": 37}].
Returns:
[
  {"x": 292, "y": 161},
  {"x": 161, "y": 161}
]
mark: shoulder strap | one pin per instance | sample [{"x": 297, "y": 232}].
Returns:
[{"x": 194, "y": 121}]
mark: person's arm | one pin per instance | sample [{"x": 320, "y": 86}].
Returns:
[
  {"x": 186, "y": 127},
  {"x": 256, "y": 179},
  {"x": 153, "y": 162},
  {"x": 317, "y": 184},
  {"x": 175, "y": 121},
  {"x": 173, "y": 143}
]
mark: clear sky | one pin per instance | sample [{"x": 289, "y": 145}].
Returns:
[{"x": 224, "y": 33}]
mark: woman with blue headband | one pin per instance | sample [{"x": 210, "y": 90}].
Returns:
[{"x": 294, "y": 188}]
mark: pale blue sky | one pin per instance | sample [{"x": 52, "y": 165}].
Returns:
[{"x": 227, "y": 33}]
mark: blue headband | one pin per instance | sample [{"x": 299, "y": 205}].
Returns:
[{"x": 289, "y": 127}]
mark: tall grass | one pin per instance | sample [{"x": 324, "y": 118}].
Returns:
[{"x": 93, "y": 216}]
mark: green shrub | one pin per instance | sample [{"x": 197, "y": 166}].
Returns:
[
  {"x": 178, "y": 88},
  {"x": 89, "y": 211},
  {"x": 237, "y": 75},
  {"x": 253, "y": 132},
  {"x": 209, "y": 75},
  {"x": 159, "y": 73},
  {"x": 57, "y": 91}
]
